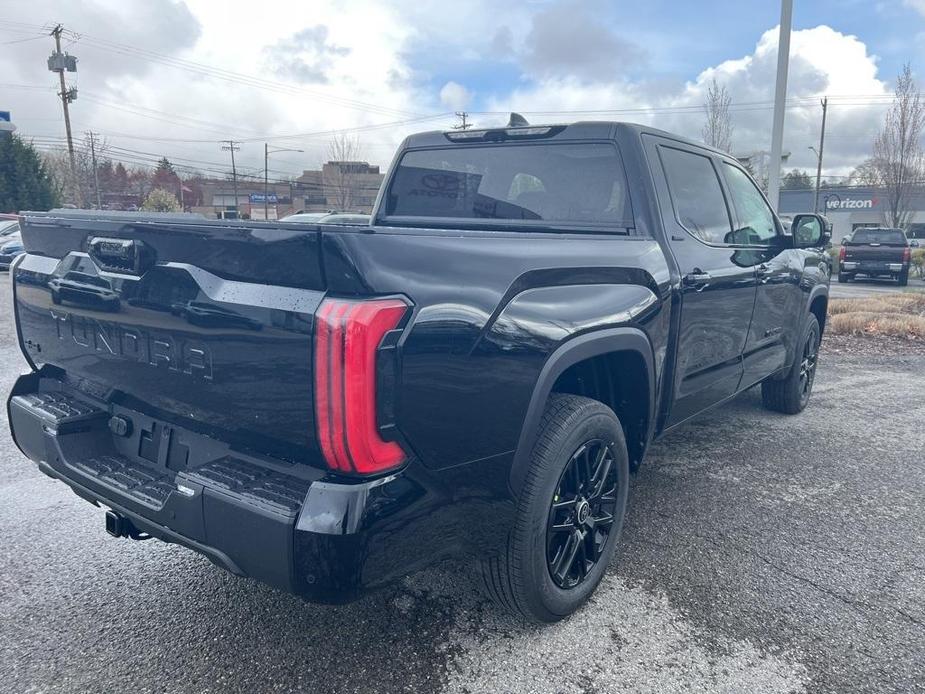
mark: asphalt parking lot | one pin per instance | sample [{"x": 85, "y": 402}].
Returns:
[
  {"x": 762, "y": 553},
  {"x": 866, "y": 286}
]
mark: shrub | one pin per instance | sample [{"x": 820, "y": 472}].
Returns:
[
  {"x": 160, "y": 200},
  {"x": 918, "y": 261},
  {"x": 899, "y": 315}
]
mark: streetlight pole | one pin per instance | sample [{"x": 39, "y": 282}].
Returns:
[
  {"x": 266, "y": 176},
  {"x": 780, "y": 99}
]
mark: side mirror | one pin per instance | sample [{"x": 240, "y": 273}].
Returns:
[{"x": 810, "y": 231}]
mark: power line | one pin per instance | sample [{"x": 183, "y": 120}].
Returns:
[{"x": 235, "y": 77}]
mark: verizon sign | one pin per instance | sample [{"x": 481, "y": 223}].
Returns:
[{"x": 836, "y": 203}]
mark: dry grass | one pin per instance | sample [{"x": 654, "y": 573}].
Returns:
[{"x": 897, "y": 315}]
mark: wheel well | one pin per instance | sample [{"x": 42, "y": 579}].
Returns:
[
  {"x": 819, "y": 308},
  {"x": 619, "y": 380}
]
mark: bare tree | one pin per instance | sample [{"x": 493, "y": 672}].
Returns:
[
  {"x": 898, "y": 156},
  {"x": 341, "y": 178},
  {"x": 717, "y": 131},
  {"x": 867, "y": 173},
  {"x": 76, "y": 185}
]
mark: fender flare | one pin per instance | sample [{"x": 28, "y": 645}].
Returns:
[
  {"x": 567, "y": 354},
  {"x": 815, "y": 293}
]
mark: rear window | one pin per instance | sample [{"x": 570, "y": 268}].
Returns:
[
  {"x": 892, "y": 237},
  {"x": 567, "y": 185}
]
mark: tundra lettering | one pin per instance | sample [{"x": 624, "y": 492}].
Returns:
[{"x": 129, "y": 343}]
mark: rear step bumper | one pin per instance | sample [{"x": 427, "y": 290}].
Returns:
[{"x": 283, "y": 524}]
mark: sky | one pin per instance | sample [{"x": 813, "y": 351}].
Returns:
[{"x": 174, "y": 78}]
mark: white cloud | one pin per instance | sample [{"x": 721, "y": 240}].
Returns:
[
  {"x": 917, "y": 5},
  {"x": 822, "y": 62},
  {"x": 455, "y": 96},
  {"x": 361, "y": 63}
]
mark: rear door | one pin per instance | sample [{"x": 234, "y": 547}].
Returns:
[{"x": 717, "y": 279}]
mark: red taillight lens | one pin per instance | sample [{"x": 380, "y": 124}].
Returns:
[
  {"x": 841, "y": 253},
  {"x": 347, "y": 335},
  {"x": 907, "y": 254}
]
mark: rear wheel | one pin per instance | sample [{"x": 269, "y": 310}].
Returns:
[
  {"x": 790, "y": 394},
  {"x": 844, "y": 277},
  {"x": 570, "y": 513},
  {"x": 903, "y": 279}
]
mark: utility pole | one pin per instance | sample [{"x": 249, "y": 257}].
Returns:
[
  {"x": 96, "y": 171},
  {"x": 231, "y": 146},
  {"x": 780, "y": 102},
  {"x": 825, "y": 106},
  {"x": 463, "y": 124},
  {"x": 62, "y": 62}
]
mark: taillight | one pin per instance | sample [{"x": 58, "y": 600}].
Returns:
[
  {"x": 907, "y": 254},
  {"x": 841, "y": 254},
  {"x": 347, "y": 336}
]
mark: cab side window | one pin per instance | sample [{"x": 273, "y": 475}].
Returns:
[
  {"x": 756, "y": 225},
  {"x": 696, "y": 194}
]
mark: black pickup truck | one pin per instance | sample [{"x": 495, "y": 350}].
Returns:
[
  {"x": 875, "y": 252},
  {"x": 473, "y": 375}
]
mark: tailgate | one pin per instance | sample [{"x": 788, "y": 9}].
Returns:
[
  {"x": 874, "y": 253},
  {"x": 205, "y": 324}
]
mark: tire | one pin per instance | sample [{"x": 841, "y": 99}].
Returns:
[
  {"x": 55, "y": 298},
  {"x": 790, "y": 394},
  {"x": 520, "y": 577},
  {"x": 844, "y": 277},
  {"x": 903, "y": 279}
]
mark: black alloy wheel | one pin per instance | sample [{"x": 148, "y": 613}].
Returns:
[
  {"x": 808, "y": 364},
  {"x": 581, "y": 514}
]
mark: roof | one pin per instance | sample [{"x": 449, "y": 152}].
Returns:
[{"x": 577, "y": 130}]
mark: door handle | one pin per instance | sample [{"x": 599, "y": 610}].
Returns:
[
  {"x": 696, "y": 277},
  {"x": 763, "y": 271}
]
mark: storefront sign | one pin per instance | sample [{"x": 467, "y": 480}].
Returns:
[{"x": 837, "y": 203}]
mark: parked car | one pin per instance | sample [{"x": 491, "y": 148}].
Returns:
[
  {"x": 8, "y": 227},
  {"x": 84, "y": 289},
  {"x": 310, "y": 217},
  {"x": 875, "y": 252},
  {"x": 10, "y": 245},
  {"x": 361, "y": 220},
  {"x": 473, "y": 376}
]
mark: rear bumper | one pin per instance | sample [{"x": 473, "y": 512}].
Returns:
[
  {"x": 872, "y": 266},
  {"x": 283, "y": 524}
]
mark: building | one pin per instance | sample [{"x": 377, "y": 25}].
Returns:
[
  {"x": 218, "y": 199},
  {"x": 339, "y": 186},
  {"x": 850, "y": 207},
  {"x": 7, "y": 128},
  {"x": 343, "y": 186}
]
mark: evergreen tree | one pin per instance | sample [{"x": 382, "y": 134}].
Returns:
[
  {"x": 24, "y": 181},
  {"x": 797, "y": 180}
]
